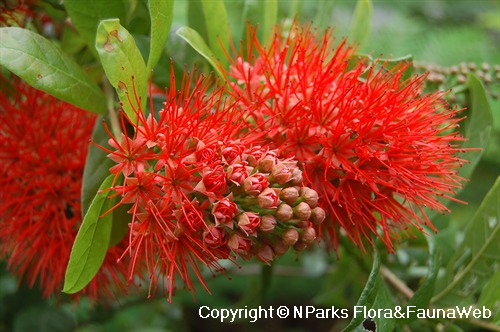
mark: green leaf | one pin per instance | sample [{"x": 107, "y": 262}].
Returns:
[
  {"x": 194, "y": 39},
  {"x": 86, "y": 15},
  {"x": 369, "y": 293},
  {"x": 96, "y": 170},
  {"x": 479, "y": 253},
  {"x": 97, "y": 165},
  {"x": 383, "y": 300},
  {"x": 217, "y": 28},
  {"x": 423, "y": 295},
  {"x": 124, "y": 66},
  {"x": 270, "y": 17},
  {"x": 360, "y": 28},
  {"x": 161, "y": 13},
  {"x": 44, "y": 66},
  {"x": 490, "y": 296},
  {"x": 121, "y": 220},
  {"x": 478, "y": 124},
  {"x": 91, "y": 243},
  {"x": 404, "y": 60}
]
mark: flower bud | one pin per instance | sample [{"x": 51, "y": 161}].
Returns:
[
  {"x": 310, "y": 196},
  {"x": 284, "y": 212},
  {"x": 301, "y": 223},
  {"x": 281, "y": 174},
  {"x": 280, "y": 248},
  {"x": 290, "y": 237},
  {"x": 253, "y": 155},
  {"x": 255, "y": 184},
  {"x": 223, "y": 212},
  {"x": 215, "y": 236},
  {"x": 302, "y": 211},
  {"x": 265, "y": 254},
  {"x": 231, "y": 153},
  {"x": 266, "y": 163},
  {"x": 237, "y": 173},
  {"x": 308, "y": 235},
  {"x": 248, "y": 222},
  {"x": 318, "y": 215},
  {"x": 239, "y": 243},
  {"x": 296, "y": 179},
  {"x": 299, "y": 246},
  {"x": 268, "y": 198},
  {"x": 267, "y": 223},
  {"x": 289, "y": 195}
]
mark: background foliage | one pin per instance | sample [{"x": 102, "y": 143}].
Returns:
[{"x": 456, "y": 266}]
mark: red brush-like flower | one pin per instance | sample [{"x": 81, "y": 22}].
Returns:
[
  {"x": 187, "y": 171},
  {"x": 42, "y": 156},
  {"x": 375, "y": 148}
]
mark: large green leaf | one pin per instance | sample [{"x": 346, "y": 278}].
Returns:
[
  {"x": 161, "y": 12},
  {"x": 478, "y": 124},
  {"x": 86, "y": 15},
  {"x": 490, "y": 296},
  {"x": 96, "y": 170},
  {"x": 97, "y": 165},
  {"x": 423, "y": 295},
  {"x": 383, "y": 300},
  {"x": 91, "y": 243},
  {"x": 217, "y": 28},
  {"x": 478, "y": 256},
  {"x": 369, "y": 293},
  {"x": 123, "y": 64},
  {"x": 44, "y": 66},
  {"x": 194, "y": 39},
  {"x": 360, "y": 28}
]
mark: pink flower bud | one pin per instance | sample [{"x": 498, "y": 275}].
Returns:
[
  {"x": 310, "y": 196},
  {"x": 265, "y": 254},
  {"x": 290, "y": 237},
  {"x": 289, "y": 195},
  {"x": 308, "y": 235},
  {"x": 207, "y": 155},
  {"x": 215, "y": 236},
  {"x": 267, "y": 223},
  {"x": 280, "y": 248},
  {"x": 302, "y": 211},
  {"x": 268, "y": 198},
  {"x": 318, "y": 215},
  {"x": 299, "y": 246},
  {"x": 284, "y": 212},
  {"x": 296, "y": 179},
  {"x": 248, "y": 222},
  {"x": 224, "y": 212},
  {"x": 213, "y": 182},
  {"x": 255, "y": 184},
  {"x": 281, "y": 174},
  {"x": 236, "y": 173},
  {"x": 231, "y": 153},
  {"x": 239, "y": 243},
  {"x": 267, "y": 162}
]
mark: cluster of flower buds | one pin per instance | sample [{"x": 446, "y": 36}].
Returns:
[
  {"x": 198, "y": 193},
  {"x": 444, "y": 78}
]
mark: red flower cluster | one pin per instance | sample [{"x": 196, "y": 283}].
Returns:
[
  {"x": 199, "y": 192},
  {"x": 375, "y": 149},
  {"x": 15, "y": 13},
  {"x": 42, "y": 157}
]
